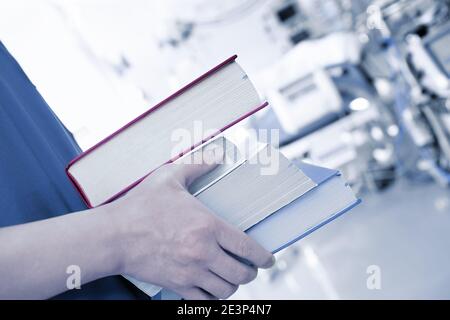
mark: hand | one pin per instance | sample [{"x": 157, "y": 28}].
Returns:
[{"x": 169, "y": 238}]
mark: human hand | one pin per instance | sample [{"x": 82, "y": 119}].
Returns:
[{"x": 169, "y": 238}]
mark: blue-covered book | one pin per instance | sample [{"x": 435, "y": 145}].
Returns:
[
  {"x": 331, "y": 198},
  {"x": 274, "y": 200}
]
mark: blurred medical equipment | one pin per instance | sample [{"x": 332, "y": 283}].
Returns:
[
  {"x": 409, "y": 39},
  {"x": 328, "y": 112},
  {"x": 371, "y": 99},
  {"x": 379, "y": 111}
]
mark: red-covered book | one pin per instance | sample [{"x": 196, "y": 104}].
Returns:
[{"x": 207, "y": 106}]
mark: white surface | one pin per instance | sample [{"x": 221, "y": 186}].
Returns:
[
  {"x": 404, "y": 231},
  {"x": 308, "y": 100},
  {"x": 72, "y": 50}
]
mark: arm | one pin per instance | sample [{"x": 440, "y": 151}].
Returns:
[
  {"x": 34, "y": 257},
  {"x": 157, "y": 233}
]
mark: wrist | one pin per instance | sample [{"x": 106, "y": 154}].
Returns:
[{"x": 110, "y": 233}]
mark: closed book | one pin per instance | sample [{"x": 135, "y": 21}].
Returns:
[{"x": 207, "y": 106}]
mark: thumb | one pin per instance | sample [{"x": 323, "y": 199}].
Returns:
[{"x": 196, "y": 164}]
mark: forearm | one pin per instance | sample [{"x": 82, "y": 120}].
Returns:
[{"x": 34, "y": 257}]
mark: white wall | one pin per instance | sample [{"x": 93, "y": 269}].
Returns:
[{"x": 70, "y": 50}]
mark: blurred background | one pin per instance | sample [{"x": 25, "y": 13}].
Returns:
[{"x": 362, "y": 86}]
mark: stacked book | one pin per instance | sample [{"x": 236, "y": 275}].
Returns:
[{"x": 276, "y": 207}]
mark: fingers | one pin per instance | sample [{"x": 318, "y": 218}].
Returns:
[
  {"x": 216, "y": 286},
  {"x": 238, "y": 243},
  {"x": 197, "y": 164},
  {"x": 232, "y": 270}
]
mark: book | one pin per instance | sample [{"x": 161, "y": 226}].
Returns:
[
  {"x": 274, "y": 200},
  {"x": 276, "y": 207},
  {"x": 331, "y": 198},
  {"x": 248, "y": 190},
  {"x": 217, "y": 100}
]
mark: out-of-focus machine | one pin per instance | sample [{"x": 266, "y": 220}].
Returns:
[
  {"x": 323, "y": 102},
  {"x": 364, "y": 87},
  {"x": 410, "y": 39}
]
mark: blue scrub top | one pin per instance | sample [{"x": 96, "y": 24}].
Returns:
[{"x": 35, "y": 148}]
